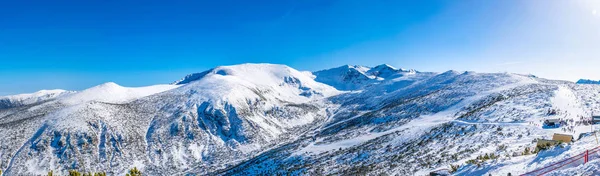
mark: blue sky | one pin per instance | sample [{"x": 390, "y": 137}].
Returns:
[{"x": 74, "y": 45}]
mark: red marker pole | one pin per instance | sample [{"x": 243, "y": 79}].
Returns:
[{"x": 586, "y": 156}]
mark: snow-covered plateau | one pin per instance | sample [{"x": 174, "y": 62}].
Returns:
[{"x": 267, "y": 119}]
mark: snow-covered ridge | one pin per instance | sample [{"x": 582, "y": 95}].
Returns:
[
  {"x": 356, "y": 77},
  {"x": 31, "y": 98},
  {"x": 36, "y": 95},
  {"x": 113, "y": 93}
]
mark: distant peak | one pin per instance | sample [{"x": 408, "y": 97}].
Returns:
[
  {"x": 452, "y": 72},
  {"x": 588, "y": 81},
  {"x": 358, "y": 68},
  {"x": 109, "y": 84},
  {"x": 385, "y": 66}
]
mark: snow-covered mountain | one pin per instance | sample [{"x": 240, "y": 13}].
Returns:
[
  {"x": 254, "y": 119},
  {"x": 349, "y": 77}
]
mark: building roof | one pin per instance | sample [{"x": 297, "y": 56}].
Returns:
[
  {"x": 565, "y": 135},
  {"x": 562, "y": 137},
  {"x": 552, "y": 120}
]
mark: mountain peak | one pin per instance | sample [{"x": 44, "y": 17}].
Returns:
[
  {"x": 359, "y": 68},
  {"x": 385, "y": 66},
  {"x": 109, "y": 85},
  {"x": 384, "y": 71}
]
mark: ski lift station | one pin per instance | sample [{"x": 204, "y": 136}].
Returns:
[{"x": 552, "y": 123}]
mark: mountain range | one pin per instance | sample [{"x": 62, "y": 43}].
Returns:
[{"x": 268, "y": 119}]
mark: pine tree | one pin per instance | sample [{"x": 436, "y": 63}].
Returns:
[
  {"x": 134, "y": 172},
  {"x": 51, "y": 173},
  {"x": 493, "y": 156},
  {"x": 454, "y": 168},
  {"x": 74, "y": 173},
  {"x": 526, "y": 152}
]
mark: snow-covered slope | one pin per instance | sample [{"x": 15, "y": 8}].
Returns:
[
  {"x": 432, "y": 122},
  {"x": 32, "y": 98},
  {"x": 254, "y": 119},
  {"x": 240, "y": 109}
]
